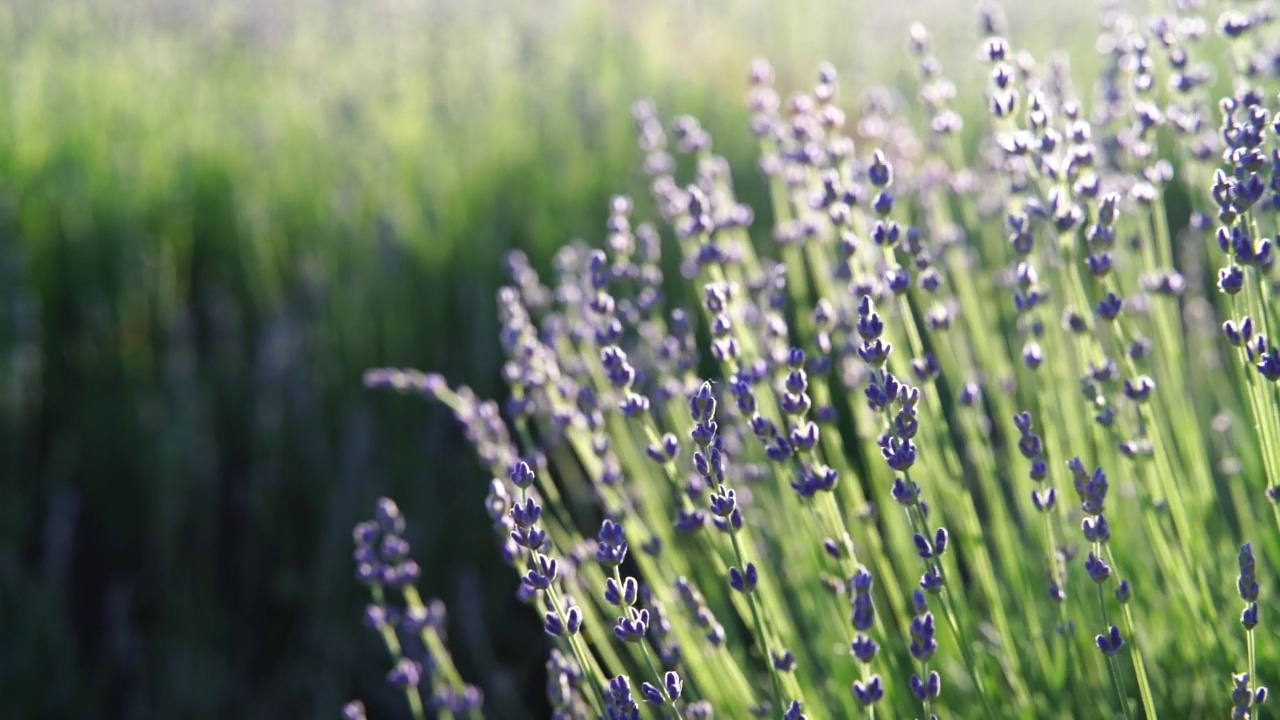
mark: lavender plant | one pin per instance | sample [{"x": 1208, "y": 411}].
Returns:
[{"x": 819, "y": 435}]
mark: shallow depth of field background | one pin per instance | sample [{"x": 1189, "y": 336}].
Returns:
[{"x": 215, "y": 215}]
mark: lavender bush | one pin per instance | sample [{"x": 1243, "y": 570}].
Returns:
[{"x": 985, "y": 425}]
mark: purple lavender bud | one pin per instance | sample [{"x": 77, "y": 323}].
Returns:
[
  {"x": 864, "y": 648},
  {"x": 784, "y": 661},
  {"x": 415, "y": 619},
  {"x": 1110, "y": 643},
  {"x": 1139, "y": 389},
  {"x": 388, "y": 517},
  {"x": 795, "y": 712},
  {"x": 470, "y": 700},
  {"x": 632, "y": 629},
  {"x": 1234, "y": 24},
  {"x": 933, "y": 687},
  {"x": 393, "y": 548},
  {"x": 721, "y": 325},
  {"x": 365, "y": 533},
  {"x": 1109, "y": 307},
  {"x": 704, "y": 432},
  {"x": 1124, "y": 592},
  {"x": 885, "y": 234},
  {"x": 832, "y": 548},
  {"x": 634, "y": 405},
  {"x": 388, "y": 575},
  {"x": 898, "y": 280},
  {"x": 919, "y": 602},
  {"x": 1098, "y": 569},
  {"x": 1269, "y": 364},
  {"x": 521, "y": 475},
  {"x": 875, "y": 353},
  {"x": 763, "y": 427},
  {"x": 1032, "y": 355},
  {"x": 353, "y": 710},
  {"x": 905, "y": 493},
  {"x": 673, "y": 684},
  {"x": 880, "y": 172},
  {"x": 922, "y": 547},
  {"x": 1039, "y": 469},
  {"x": 1026, "y": 301},
  {"x": 619, "y": 372},
  {"x": 743, "y": 395},
  {"x": 744, "y": 582},
  {"x": 724, "y": 502},
  {"x": 689, "y": 521},
  {"x": 804, "y": 436},
  {"x": 716, "y": 635},
  {"x": 923, "y": 642},
  {"x": 926, "y": 368},
  {"x": 406, "y": 573},
  {"x": 375, "y": 616},
  {"x": 1031, "y": 446},
  {"x": 1103, "y": 371},
  {"x": 1074, "y": 321},
  {"x": 651, "y": 694},
  {"x": 526, "y": 514},
  {"x": 405, "y": 674},
  {"x": 702, "y": 404},
  {"x": 995, "y": 49},
  {"x": 899, "y": 454},
  {"x": 1247, "y": 581},
  {"x": 798, "y": 405},
  {"x": 542, "y": 572},
  {"x": 1044, "y": 501},
  {"x": 1262, "y": 256},
  {"x": 602, "y": 303},
  {"x": 1096, "y": 529},
  {"x": 883, "y": 203},
  {"x": 1139, "y": 349},
  {"x": 870, "y": 326},
  {"x": 560, "y": 628},
  {"x": 929, "y": 280},
  {"x": 797, "y": 382},
  {"x": 369, "y": 573},
  {"x": 1240, "y": 692},
  {"x": 869, "y": 693},
  {"x": 1256, "y": 348},
  {"x": 621, "y": 595},
  {"x": 1232, "y": 332},
  {"x": 1099, "y": 264},
  {"x": 826, "y": 414},
  {"x": 862, "y": 580},
  {"x": 611, "y": 545},
  {"x": 931, "y": 580}
]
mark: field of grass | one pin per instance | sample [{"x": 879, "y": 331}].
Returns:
[{"x": 215, "y": 216}]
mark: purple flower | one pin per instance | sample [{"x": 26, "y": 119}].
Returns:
[
  {"x": 1111, "y": 642},
  {"x": 870, "y": 692}
]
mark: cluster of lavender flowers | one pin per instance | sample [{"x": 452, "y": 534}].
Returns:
[{"x": 790, "y": 481}]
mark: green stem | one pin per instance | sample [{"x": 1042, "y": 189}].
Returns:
[{"x": 758, "y": 621}]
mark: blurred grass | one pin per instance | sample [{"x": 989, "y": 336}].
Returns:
[{"x": 214, "y": 216}]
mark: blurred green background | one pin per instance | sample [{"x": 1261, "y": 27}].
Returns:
[{"x": 215, "y": 215}]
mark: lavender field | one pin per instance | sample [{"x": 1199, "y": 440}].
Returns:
[{"x": 842, "y": 361}]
